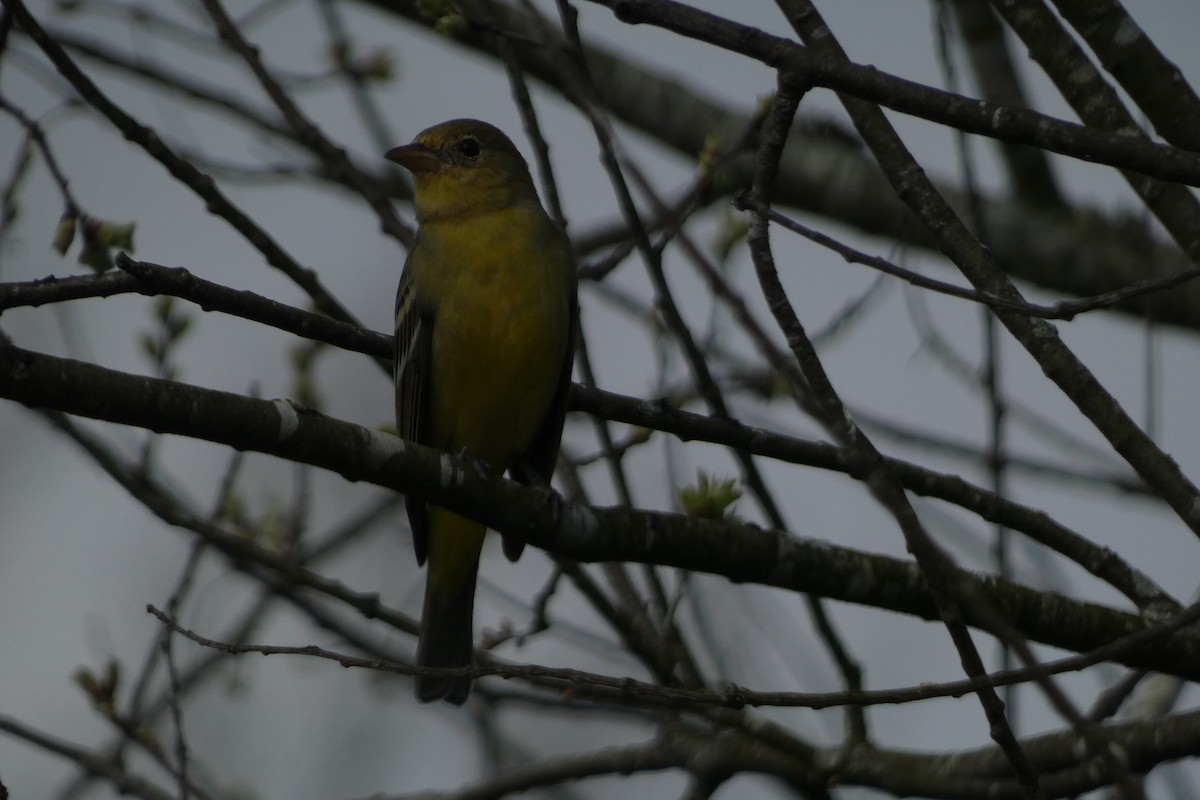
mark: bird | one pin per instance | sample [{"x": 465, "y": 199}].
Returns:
[{"x": 486, "y": 320}]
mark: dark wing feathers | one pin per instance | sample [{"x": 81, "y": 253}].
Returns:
[{"x": 410, "y": 368}]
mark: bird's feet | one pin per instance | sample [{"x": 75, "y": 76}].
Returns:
[{"x": 481, "y": 468}]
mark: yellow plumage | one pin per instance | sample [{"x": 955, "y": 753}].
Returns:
[{"x": 485, "y": 325}]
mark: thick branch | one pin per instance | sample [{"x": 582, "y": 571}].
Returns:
[
  {"x": 739, "y": 552},
  {"x": 721, "y": 429},
  {"x": 1154, "y": 83}
]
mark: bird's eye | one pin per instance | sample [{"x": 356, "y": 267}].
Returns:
[{"x": 469, "y": 147}]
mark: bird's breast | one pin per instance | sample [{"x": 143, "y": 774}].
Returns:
[{"x": 501, "y": 333}]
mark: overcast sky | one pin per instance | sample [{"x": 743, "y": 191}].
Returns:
[{"x": 79, "y": 559}]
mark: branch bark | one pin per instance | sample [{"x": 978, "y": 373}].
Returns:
[{"x": 739, "y": 552}]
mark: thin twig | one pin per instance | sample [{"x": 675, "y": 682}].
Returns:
[{"x": 1064, "y": 309}]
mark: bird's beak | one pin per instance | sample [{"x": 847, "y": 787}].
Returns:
[{"x": 414, "y": 157}]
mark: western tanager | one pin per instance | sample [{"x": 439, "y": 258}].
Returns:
[{"x": 485, "y": 325}]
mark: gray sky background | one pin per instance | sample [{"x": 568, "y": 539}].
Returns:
[{"x": 79, "y": 559}]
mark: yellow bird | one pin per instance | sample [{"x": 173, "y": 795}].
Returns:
[{"x": 486, "y": 315}]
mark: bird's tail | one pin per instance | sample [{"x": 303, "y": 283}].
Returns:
[
  {"x": 447, "y": 625},
  {"x": 447, "y": 640}
]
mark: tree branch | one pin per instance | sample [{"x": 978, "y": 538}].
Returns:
[{"x": 739, "y": 552}]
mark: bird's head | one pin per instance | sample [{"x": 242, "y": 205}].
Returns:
[{"x": 464, "y": 167}]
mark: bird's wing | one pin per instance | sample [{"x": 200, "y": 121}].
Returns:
[
  {"x": 410, "y": 368},
  {"x": 535, "y": 465}
]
